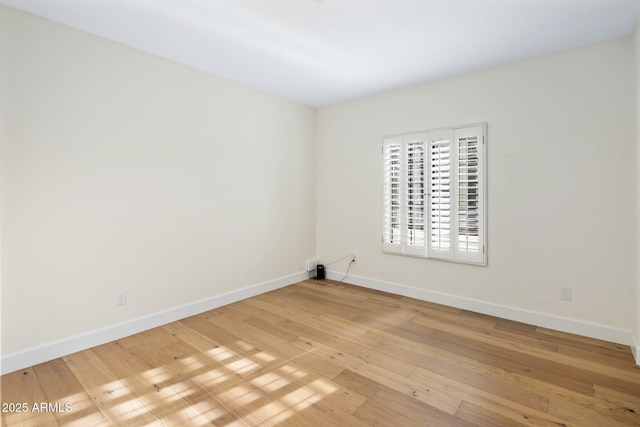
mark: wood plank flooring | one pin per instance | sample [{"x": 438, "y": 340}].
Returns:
[{"x": 332, "y": 354}]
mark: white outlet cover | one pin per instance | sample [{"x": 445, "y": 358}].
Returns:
[
  {"x": 565, "y": 294},
  {"x": 311, "y": 264},
  {"x": 121, "y": 298}
]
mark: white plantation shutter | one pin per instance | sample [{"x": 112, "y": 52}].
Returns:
[
  {"x": 392, "y": 162},
  {"x": 404, "y": 196},
  {"x": 434, "y": 194},
  {"x": 440, "y": 194},
  {"x": 414, "y": 195},
  {"x": 469, "y": 236}
]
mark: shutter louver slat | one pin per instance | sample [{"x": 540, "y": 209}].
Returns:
[
  {"x": 440, "y": 195},
  {"x": 392, "y": 207},
  {"x": 415, "y": 200},
  {"x": 468, "y": 177}
]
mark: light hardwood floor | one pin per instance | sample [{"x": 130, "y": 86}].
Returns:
[{"x": 331, "y": 354}]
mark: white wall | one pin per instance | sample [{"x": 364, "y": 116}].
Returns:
[
  {"x": 560, "y": 183},
  {"x": 121, "y": 170}
]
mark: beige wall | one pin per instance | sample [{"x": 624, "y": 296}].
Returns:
[
  {"x": 560, "y": 183},
  {"x": 121, "y": 170}
]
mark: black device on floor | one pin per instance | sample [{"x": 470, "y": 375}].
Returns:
[{"x": 320, "y": 274}]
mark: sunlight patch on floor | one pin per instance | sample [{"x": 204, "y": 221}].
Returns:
[
  {"x": 323, "y": 386},
  {"x": 242, "y": 366},
  {"x": 273, "y": 413},
  {"x": 302, "y": 398},
  {"x": 221, "y": 353},
  {"x": 270, "y": 382},
  {"x": 241, "y": 395},
  {"x": 294, "y": 372},
  {"x": 264, "y": 356},
  {"x": 192, "y": 363},
  {"x": 246, "y": 346},
  {"x": 115, "y": 389},
  {"x": 201, "y": 414},
  {"x": 157, "y": 375},
  {"x": 128, "y": 410},
  {"x": 231, "y": 385}
]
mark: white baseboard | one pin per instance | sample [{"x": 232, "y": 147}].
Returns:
[
  {"x": 545, "y": 320},
  {"x": 51, "y": 350}
]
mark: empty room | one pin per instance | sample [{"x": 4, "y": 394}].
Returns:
[{"x": 320, "y": 212}]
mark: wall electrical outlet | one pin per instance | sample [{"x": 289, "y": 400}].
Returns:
[
  {"x": 353, "y": 258},
  {"x": 311, "y": 264},
  {"x": 121, "y": 298},
  {"x": 565, "y": 294}
]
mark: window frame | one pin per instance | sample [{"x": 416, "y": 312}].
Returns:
[{"x": 464, "y": 192}]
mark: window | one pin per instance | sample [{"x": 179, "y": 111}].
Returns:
[{"x": 434, "y": 194}]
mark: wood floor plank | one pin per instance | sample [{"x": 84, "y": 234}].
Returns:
[
  {"x": 592, "y": 345},
  {"x": 286, "y": 394},
  {"x": 379, "y": 302},
  {"x": 342, "y": 399},
  {"x": 305, "y": 300},
  {"x": 564, "y": 369},
  {"x": 564, "y": 364},
  {"x": 249, "y": 353},
  {"x": 355, "y": 354},
  {"x": 120, "y": 361},
  {"x": 320, "y": 353},
  {"x": 168, "y": 391},
  {"x": 627, "y": 402},
  {"x": 413, "y": 303},
  {"x": 375, "y": 414},
  {"x": 256, "y": 340},
  {"x": 481, "y": 416},
  {"x": 387, "y": 397},
  {"x": 507, "y": 407},
  {"x": 431, "y": 395},
  {"x": 161, "y": 383},
  {"x": 408, "y": 330},
  {"x": 483, "y": 336},
  {"x": 20, "y": 391},
  {"x": 582, "y": 416},
  {"x": 328, "y": 324},
  {"x": 338, "y": 397},
  {"x": 472, "y": 321},
  {"x": 266, "y": 316},
  {"x": 112, "y": 395},
  {"x": 572, "y": 339},
  {"x": 307, "y": 360},
  {"x": 60, "y": 386},
  {"x": 601, "y": 356},
  {"x": 493, "y": 367},
  {"x": 513, "y": 361},
  {"x": 336, "y": 349},
  {"x": 486, "y": 333},
  {"x": 467, "y": 371},
  {"x": 611, "y": 403}
]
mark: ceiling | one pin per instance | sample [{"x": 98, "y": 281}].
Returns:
[{"x": 322, "y": 52}]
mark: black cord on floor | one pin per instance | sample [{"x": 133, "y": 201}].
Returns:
[{"x": 347, "y": 273}]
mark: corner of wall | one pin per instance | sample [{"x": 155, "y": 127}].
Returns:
[
  {"x": 635, "y": 349},
  {"x": 636, "y": 320}
]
